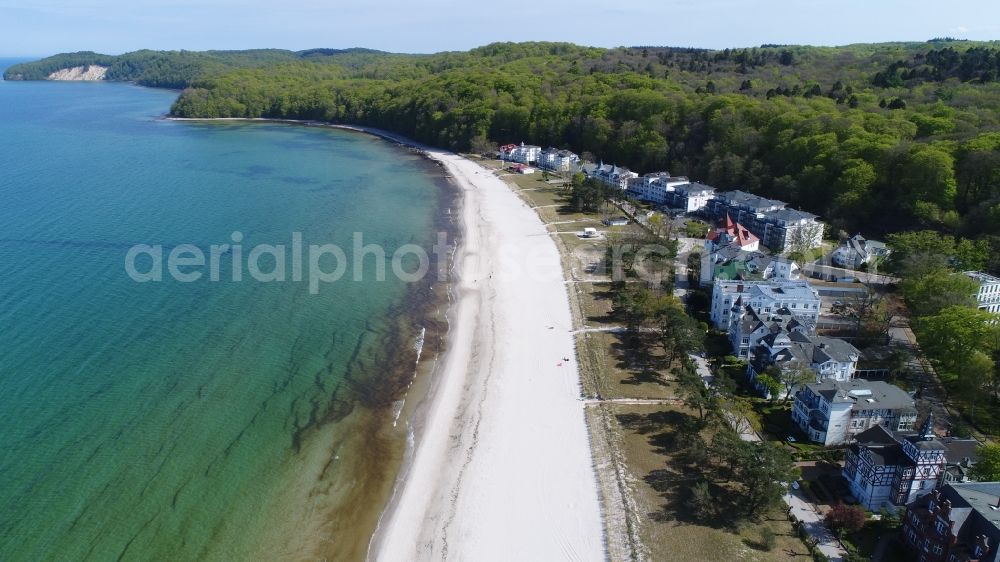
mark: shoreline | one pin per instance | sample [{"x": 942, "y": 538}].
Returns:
[{"x": 499, "y": 462}]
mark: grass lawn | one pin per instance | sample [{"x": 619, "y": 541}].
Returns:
[
  {"x": 615, "y": 373},
  {"x": 658, "y": 492},
  {"x": 695, "y": 228},
  {"x": 595, "y": 300}
]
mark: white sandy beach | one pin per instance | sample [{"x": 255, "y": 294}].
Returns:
[{"x": 502, "y": 468}]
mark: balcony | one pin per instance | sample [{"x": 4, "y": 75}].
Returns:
[{"x": 817, "y": 424}]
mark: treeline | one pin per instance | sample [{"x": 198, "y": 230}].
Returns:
[
  {"x": 845, "y": 151},
  {"x": 40, "y": 70},
  {"x": 801, "y": 124},
  {"x": 979, "y": 64},
  {"x": 179, "y": 69}
]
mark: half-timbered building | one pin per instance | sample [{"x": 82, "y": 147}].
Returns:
[{"x": 887, "y": 469}]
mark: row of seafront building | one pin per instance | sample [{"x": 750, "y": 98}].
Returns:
[
  {"x": 779, "y": 228},
  {"x": 770, "y": 315},
  {"x": 772, "y": 325}
]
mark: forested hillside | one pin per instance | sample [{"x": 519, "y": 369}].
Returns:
[
  {"x": 883, "y": 137},
  {"x": 178, "y": 69}
]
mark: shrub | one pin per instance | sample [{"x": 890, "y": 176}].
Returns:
[
  {"x": 849, "y": 518},
  {"x": 768, "y": 539}
]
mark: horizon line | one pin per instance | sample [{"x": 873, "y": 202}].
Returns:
[{"x": 418, "y": 53}]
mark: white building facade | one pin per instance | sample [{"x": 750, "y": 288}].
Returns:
[
  {"x": 798, "y": 296},
  {"x": 654, "y": 187},
  {"x": 779, "y": 228},
  {"x": 522, "y": 153},
  {"x": 857, "y": 251},
  {"x": 612, "y": 175},
  {"x": 988, "y": 296},
  {"x": 833, "y": 412},
  {"x": 558, "y": 160}
]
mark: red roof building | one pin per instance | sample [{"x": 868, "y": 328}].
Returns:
[{"x": 732, "y": 232}]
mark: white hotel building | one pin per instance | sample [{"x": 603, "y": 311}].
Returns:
[{"x": 988, "y": 296}]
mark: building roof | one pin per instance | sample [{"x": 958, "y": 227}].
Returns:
[
  {"x": 960, "y": 451},
  {"x": 868, "y": 394},
  {"x": 821, "y": 349},
  {"x": 732, "y": 232},
  {"x": 982, "y": 277},
  {"x": 693, "y": 188},
  {"x": 956, "y": 451},
  {"x": 982, "y": 496},
  {"x": 860, "y": 247},
  {"x": 972, "y": 507},
  {"x": 783, "y": 289},
  {"x": 877, "y": 435},
  {"x": 558, "y": 152},
  {"x": 733, "y": 252},
  {"x": 744, "y": 199},
  {"x": 791, "y": 215},
  {"x": 797, "y": 345}
]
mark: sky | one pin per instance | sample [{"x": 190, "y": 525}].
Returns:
[{"x": 44, "y": 27}]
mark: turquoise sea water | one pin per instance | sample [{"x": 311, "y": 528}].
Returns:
[{"x": 148, "y": 420}]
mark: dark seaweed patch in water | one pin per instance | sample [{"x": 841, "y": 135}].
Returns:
[
  {"x": 328, "y": 186},
  {"x": 384, "y": 358},
  {"x": 299, "y": 180},
  {"x": 256, "y": 170}
]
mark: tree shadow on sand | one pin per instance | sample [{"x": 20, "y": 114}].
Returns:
[
  {"x": 674, "y": 435},
  {"x": 636, "y": 356}
]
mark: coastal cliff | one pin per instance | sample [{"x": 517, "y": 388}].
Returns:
[{"x": 89, "y": 72}]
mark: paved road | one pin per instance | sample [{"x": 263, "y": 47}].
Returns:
[
  {"x": 813, "y": 523},
  {"x": 933, "y": 395},
  {"x": 825, "y": 269},
  {"x": 704, "y": 371},
  {"x": 684, "y": 248}
]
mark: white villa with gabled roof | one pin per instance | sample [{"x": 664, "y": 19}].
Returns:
[
  {"x": 523, "y": 153},
  {"x": 558, "y": 160}
]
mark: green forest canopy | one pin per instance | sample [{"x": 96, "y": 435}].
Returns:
[{"x": 879, "y": 137}]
